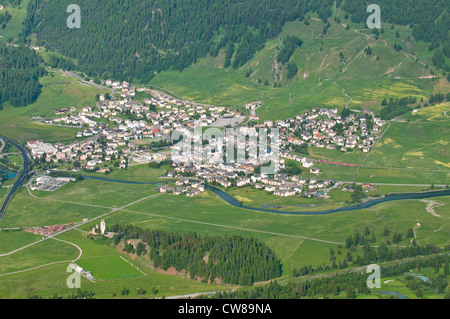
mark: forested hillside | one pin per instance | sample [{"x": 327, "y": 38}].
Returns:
[
  {"x": 232, "y": 259},
  {"x": 19, "y": 75},
  {"x": 429, "y": 20},
  {"x": 135, "y": 38}
]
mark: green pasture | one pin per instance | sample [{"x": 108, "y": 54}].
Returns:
[
  {"x": 17, "y": 123},
  {"x": 40, "y": 254},
  {"x": 387, "y": 73},
  {"x": 14, "y": 26},
  {"x": 413, "y": 146}
]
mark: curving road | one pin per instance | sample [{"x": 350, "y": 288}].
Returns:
[{"x": 22, "y": 176}]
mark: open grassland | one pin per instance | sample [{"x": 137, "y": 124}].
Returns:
[
  {"x": 13, "y": 239},
  {"x": 27, "y": 211},
  {"x": 43, "y": 253},
  {"x": 435, "y": 113},
  {"x": 17, "y": 123},
  {"x": 413, "y": 146},
  {"x": 138, "y": 173},
  {"x": 109, "y": 267},
  {"x": 354, "y": 157},
  {"x": 3, "y": 191},
  {"x": 387, "y": 73},
  {"x": 14, "y": 27},
  {"x": 402, "y": 176},
  {"x": 297, "y": 240},
  {"x": 89, "y": 191}
]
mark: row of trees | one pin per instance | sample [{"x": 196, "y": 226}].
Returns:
[
  {"x": 349, "y": 284},
  {"x": 232, "y": 259},
  {"x": 382, "y": 253},
  {"x": 396, "y": 107},
  {"x": 290, "y": 44},
  {"x": 439, "y": 98}
]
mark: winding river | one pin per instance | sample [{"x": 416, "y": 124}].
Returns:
[{"x": 232, "y": 201}]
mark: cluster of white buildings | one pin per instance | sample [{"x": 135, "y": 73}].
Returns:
[
  {"x": 184, "y": 186},
  {"x": 40, "y": 149},
  {"x": 318, "y": 128}
]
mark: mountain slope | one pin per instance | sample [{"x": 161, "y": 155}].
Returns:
[{"x": 134, "y": 38}]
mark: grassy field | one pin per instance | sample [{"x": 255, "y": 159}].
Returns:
[
  {"x": 43, "y": 253},
  {"x": 411, "y": 153},
  {"x": 101, "y": 193},
  {"x": 17, "y": 123},
  {"x": 138, "y": 173},
  {"x": 109, "y": 267},
  {"x": 412, "y": 145},
  {"x": 13, "y": 239},
  {"x": 25, "y": 210},
  {"x": 368, "y": 80},
  {"x": 434, "y": 113},
  {"x": 14, "y": 27},
  {"x": 297, "y": 240}
]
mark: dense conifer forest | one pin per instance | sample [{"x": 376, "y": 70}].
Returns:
[
  {"x": 19, "y": 75},
  {"x": 232, "y": 259},
  {"x": 134, "y": 39}
]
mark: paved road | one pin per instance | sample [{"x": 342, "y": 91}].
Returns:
[{"x": 20, "y": 180}]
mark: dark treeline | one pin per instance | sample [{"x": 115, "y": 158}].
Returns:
[
  {"x": 439, "y": 98},
  {"x": 5, "y": 17},
  {"x": 13, "y": 3},
  {"x": 231, "y": 259},
  {"x": 77, "y": 176},
  {"x": 290, "y": 44},
  {"x": 61, "y": 63},
  {"x": 129, "y": 39},
  {"x": 370, "y": 254},
  {"x": 19, "y": 75},
  {"x": 396, "y": 107},
  {"x": 429, "y": 19}
]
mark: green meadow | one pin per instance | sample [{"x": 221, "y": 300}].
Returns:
[
  {"x": 108, "y": 267},
  {"x": 14, "y": 27},
  {"x": 297, "y": 240},
  {"x": 413, "y": 145},
  {"x": 13, "y": 239},
  {"x": 367, "y": 80},
  {"x": 27, "y": 211},
  {"x": 40, "y": 254},
  {"x": 17, "y": 123}
]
